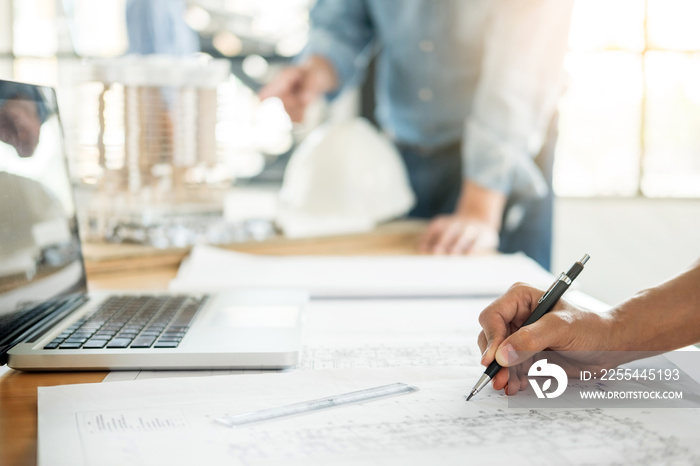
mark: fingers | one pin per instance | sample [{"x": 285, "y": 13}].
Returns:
[
  {"x": 551, "y": 331},
  {"x": 512, "y": 379},
  {"x": 295, "y": 109},
  {"x": 288, "y": 86},
  {"x": 513, "y": 382},
  {"x": 432, "y": 234},
  {"x": 475, "y": 237},
  {"x": 450, "y": 235},
  {"x": 494, "y": 332},
  {"x": 565, "y": 328},
  {"x": 458, "y": 235},
  {"x": 496, "y": 319},
  {"x": 482, "y": 239},
  {"x": 500, "y": 380},
  {"x": 442, "y": 234},
  {"x": 284, "y": 83},
  {"x": 467, "y": 236},
  {"x": 482, "y": 341}
]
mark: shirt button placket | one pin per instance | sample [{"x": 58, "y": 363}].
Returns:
[{"x": 427, "y": 46}]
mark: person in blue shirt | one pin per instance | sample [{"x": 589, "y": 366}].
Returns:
[{"x": 467, "y": 90}]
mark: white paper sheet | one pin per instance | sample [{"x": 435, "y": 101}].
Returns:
[
  {"x": 171, "y": 422},
  {"x": 213, "y": 269},
  {"x": 352, "y": 344}
]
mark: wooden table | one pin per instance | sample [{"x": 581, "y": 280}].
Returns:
[{"x": 137, "y": 267}]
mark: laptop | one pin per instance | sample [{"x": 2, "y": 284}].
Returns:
[{"x": 48, "y": 319}]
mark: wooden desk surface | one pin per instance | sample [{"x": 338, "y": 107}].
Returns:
[{"x": 138, "y": 267}]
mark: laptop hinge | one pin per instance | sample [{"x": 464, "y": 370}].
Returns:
[{"x": 39, "y": 328}]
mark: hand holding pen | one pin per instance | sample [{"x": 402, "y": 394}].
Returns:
[{"x": 518, "y": 325}]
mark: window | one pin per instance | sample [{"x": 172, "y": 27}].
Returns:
[{"x": 630, "y": 119}]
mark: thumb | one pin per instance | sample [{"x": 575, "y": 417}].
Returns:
[{"x": 523, "y": 344}]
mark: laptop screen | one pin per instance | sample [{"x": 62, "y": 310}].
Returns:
[{"x": 40, "y": 258}]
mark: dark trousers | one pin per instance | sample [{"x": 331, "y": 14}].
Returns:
[{"x": 436, "y": 179}]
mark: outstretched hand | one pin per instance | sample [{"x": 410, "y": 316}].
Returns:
[{"x": 298, "y": 86}]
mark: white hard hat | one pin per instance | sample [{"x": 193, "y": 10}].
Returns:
[{"x": 344, "y": 177}]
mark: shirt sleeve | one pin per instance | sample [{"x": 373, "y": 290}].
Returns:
[
  {"x": 342, "y": 33},
  {"x": 521, "y": 80}
]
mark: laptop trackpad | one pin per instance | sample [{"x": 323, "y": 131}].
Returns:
[{"x": 255, "y": 316}]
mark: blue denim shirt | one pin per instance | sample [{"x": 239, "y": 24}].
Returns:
[{"x": 488, "y": 72}]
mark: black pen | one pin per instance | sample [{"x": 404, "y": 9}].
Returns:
[{"x": 544, "y": 305}]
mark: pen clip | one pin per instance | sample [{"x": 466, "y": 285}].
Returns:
[
  {"x": 547, "y": 292},
  {"x": 562, "y": 278}
]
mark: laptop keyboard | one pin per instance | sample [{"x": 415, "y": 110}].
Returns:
[{"x": 132, "y": 322}]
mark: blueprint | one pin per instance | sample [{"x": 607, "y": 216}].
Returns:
[
  {"x": 171, "y": 421},
  {"x": 351, "y": 345}
]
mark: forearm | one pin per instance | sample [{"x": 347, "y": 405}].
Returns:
[
  {"x": 481, "y": 203},
  {"x": 661, "y": 318},
  {"x": 341, "y": 31}
]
